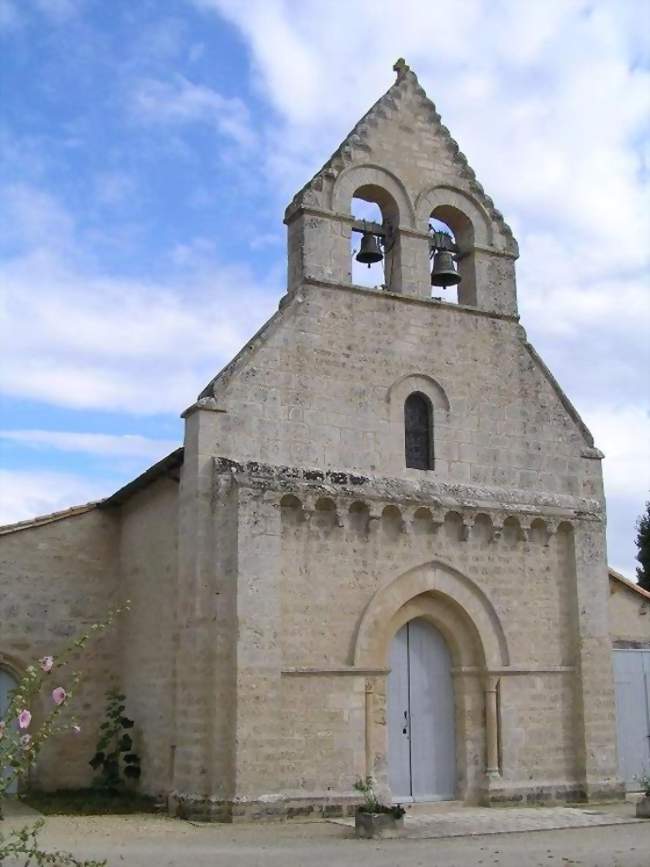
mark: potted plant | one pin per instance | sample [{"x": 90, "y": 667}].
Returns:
[
  {"x": 374, "y": 819},
  {"x": 643, "y": 804}
]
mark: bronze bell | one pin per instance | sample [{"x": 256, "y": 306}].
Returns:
[
  {"x": 444, "y": 271},
  {"x": 369, "y": 252}
]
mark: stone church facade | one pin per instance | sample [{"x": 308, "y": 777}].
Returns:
[{"x": 306, "y": 608}]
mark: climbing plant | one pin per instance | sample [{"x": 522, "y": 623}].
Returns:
[
  {"x": 114, "y": 757},
  {"x": 21, "y": 740}
]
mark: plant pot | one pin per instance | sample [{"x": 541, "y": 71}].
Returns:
[
  {"x": 643, "y": 807},
  {"x": 378, "y": 825}
]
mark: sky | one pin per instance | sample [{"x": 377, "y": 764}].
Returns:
[{"x": 148, "y": 149}]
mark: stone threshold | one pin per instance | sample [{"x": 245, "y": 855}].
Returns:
[{"x": 439, "y": 820}]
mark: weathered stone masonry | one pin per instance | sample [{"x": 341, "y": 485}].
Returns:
[{"x": 273, "y": 560}]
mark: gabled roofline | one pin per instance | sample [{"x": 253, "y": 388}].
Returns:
[
  {"x": 165, "y": 467},
  {"x": 248, "y": 350},
  {"x": 630, "y": 585},
  {"x": 40, "y": 520},
  {"x": 564, "y": 400},
  {"x": 356, "y": 138}
]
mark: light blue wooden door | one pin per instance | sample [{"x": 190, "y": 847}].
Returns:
[
  {"x": 7, "y": 683},
  {"x": 421, "y": 718},
  {"x": 632, "y": 679},
  {"x": 399, "y": 737}
]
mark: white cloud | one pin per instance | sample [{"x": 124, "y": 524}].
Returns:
[
  {"x": 109, "y": 445},
  {"x": 547, "y": 99},
  {"x": 76, "y": 337},
  {"x": 24, "y": 494},
  {"x": 623, "y": 433},
  {"x": 181, "y": 101},
  {"x": 33, "y": 218}
]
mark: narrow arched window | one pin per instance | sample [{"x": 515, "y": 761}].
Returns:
[{"x": 418, "y": 431}]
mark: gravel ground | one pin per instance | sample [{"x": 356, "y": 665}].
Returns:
[{"x": 156, "y": 841}]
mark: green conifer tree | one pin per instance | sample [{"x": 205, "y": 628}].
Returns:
[{"x": 643, "y": 544}]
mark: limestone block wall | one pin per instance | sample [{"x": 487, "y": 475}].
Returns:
[
  {"x": 539, "y": 748},
  {"x": 322, "y": 560},
  {"x": 629, "y": 615},
  {"x": 323, "y": 386},
  {"x": 322, "y": 747},
  {"x": 148, "y": 565},
  {"x": 336, "y": 557},
  {"x": 345, "y": 554},
  {"x": 58, "y": 578},
  {"x": 401, "y": 157}
]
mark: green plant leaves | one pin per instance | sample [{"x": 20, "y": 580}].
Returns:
[
  {"x": 115, "y": 758},
  {"x": 96, "y": 761}
]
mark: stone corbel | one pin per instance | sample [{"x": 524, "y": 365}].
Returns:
[
  {"x": 468, "y": 524},
  {"x": 525, "y": 527},
  {"x": 497, "y": 525},
  {"x": 438, "y": 519},
  {"x": 308, "y": 506},
  {"x": 408, "y": 520},
  {"x": 551, "y": 530},
  {"x": 374, "y": 518}
]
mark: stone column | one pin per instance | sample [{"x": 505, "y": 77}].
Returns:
[
  {"x": 495, "y": 287},
  {"x": 203, "y": 649},
  {"x": 408, "y": 266},
  {"x": 370, "y": 720},
  {"x": 257, "y": 741},
  {"x": 318, "y": 246},
  {"x": 491, "y": 727},
  {"x": 596, "y": 708}
]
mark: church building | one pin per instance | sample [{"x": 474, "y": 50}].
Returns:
[{"x": 380, "y": 550}]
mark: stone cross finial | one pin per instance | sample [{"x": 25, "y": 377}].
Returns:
[{"x": 401, "y": 67}]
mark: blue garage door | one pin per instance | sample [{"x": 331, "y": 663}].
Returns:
[{"x": 632, "y": 678}]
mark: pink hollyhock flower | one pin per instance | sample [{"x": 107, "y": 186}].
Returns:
[
  {"x": 2, "y": 727},
  {"x": 24, "y": 719},
  {"x": 59, "y": 695},
  {"x": 46, "y": 663},
  {"x": 26, "y": 741}
]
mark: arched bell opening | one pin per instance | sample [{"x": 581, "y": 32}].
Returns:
[
  {"x": 374, "y": 239},
  {"x": 453, "y": 267}
]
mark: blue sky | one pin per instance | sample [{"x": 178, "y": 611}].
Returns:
[{"x": 147, "y": 151}]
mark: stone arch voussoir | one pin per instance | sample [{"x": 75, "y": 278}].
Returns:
[
  {"x": 443, "y": 196},
  {"x": 439, "y": 579},
  {"x": 369, "y": 175}
]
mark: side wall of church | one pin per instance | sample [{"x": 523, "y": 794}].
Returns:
[
  {"x": 148, "y": 561},
  {"x": 57, "y": 580},
  {"x": 629, "y": 614}
]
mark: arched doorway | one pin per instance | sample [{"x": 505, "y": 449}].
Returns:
[
  {"x": 7, "y": 683},
  {"x": 421, "y": 715}
]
